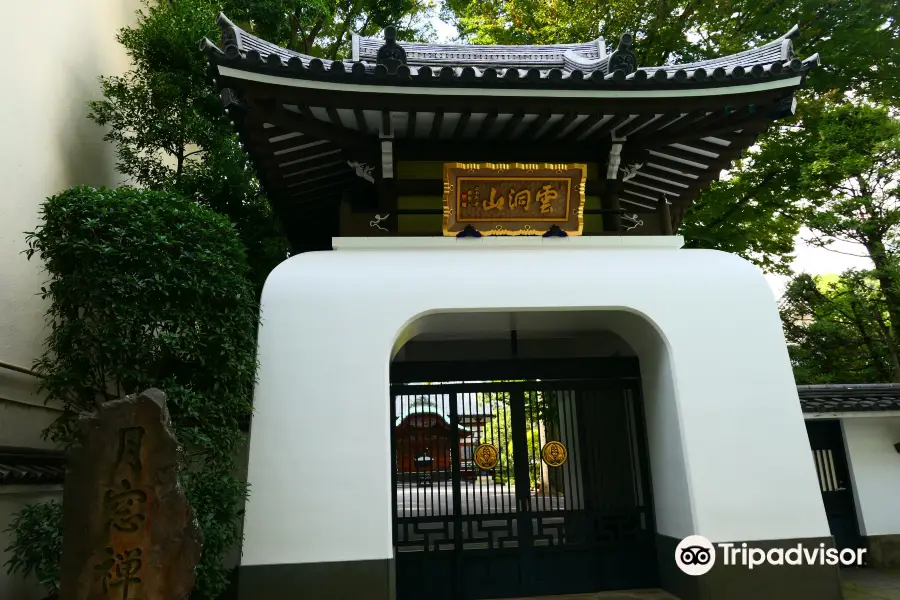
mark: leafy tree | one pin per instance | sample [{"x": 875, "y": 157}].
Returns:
[
  {"x": 170, "y": 132},
  {"x": 150, "y": 289},
  {"x": 758, "y": 211},
  {"x": 36, "y": 548},
  {"x": 838, "y": 330},
  {"x": 323, "y": 27},
  {"x": 854, "y": 37}
]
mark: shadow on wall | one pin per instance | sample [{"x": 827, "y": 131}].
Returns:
[{"x": 84, "y": 157}]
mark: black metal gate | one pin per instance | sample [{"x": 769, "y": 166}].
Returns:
[
  {"x": 565, "y": 509},
  {"x": 827, "y": 442}
]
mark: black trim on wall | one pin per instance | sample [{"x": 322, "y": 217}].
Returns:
[
  {"x": 27, "y": 466},
  {"x": 737, "y": 582},
  {"x": 342, "y": 580},
  {"x": 488, "y": 370}
]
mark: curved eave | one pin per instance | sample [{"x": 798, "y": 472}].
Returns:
[
  {"x": 510, "y": 82},
  {"x": 561, "y": 66}
]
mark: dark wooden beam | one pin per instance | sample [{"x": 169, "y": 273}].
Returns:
[
  {"x": 682, "y": 154},
  {"x": 665, "y": 216},
  {"x": 485, "y": 127},
  {"x": 334, "y": 117},
  {"x": 301, "y": 184},
  {"x": 387, "y": 202},
  {"x": 579, "y": 129},
  {"x": 312, "y": 165},
  {"x": 557, "y": 128},
  {"x": 305, "y": 123},
  {"x": 361, "y": 121},
  {"x": 646, "y": 158},
  {"x": 507, "y": 130},
  {"x": 529, "y": 133},
  {"x": 264, "y": 158},
  {"x": 612, "y": 222},
  {"x": 608, "y": 127},
  {"x": 656, "y": 171},
  {"x": 723, "y": 127},
  {"x": 664, "y": 123},
  {"x": 304, "y": 193},
  {"x": 659, "y": 186},
  {"x": 635, "y": 124},
  {"x": 411, "y": 124},
  {"x": 436, "y": 125},
  {"x": 462, "y": 124},
  {"x": 494, "y": 151}
]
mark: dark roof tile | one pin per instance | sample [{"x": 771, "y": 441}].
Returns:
[
  {"x": 833, "y": 398},
  {"x": 524, "y": 65}
]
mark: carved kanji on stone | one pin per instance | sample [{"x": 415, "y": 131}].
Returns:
[{"x": 129, "y": 532}]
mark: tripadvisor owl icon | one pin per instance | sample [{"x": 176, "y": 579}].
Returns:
[{"x": 695, "y": 555}]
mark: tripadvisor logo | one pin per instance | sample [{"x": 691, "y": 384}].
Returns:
[{"x": 695, "y": 555}]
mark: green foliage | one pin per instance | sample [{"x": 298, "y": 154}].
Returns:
[
  {"x": 838, "y": 330},
  {"x": 853, "y": 37},
  {"x": 324, "y": 27},
  {"x": 759, "y": 210},
  {"x": 36, "y": 548},
  {"x": 166, "y": 121},
  {"x": 149, "y": 289}
]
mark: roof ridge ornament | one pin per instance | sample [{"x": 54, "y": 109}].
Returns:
[
  {"x": 391, "y": 54},
  {"x": 623, "y": 59}
]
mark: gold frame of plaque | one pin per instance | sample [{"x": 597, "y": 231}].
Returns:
[{"x": 532, "y": 198}]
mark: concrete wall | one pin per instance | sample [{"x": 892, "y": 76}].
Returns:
[
  {"x": 58, "y": 50},
  {"x": 732, "y": 467},
  {"x": 875, "y": 471}
]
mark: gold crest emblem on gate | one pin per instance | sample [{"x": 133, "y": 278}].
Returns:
[
  {"x": 486, "y": 456},
  {"x": 554, "y": 454}
]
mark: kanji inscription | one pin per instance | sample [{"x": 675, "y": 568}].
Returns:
[
  {"x": 517, "y": 199},
  {"x": 135, "y": 537}
]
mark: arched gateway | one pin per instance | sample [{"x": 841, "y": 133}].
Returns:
[{"x": 501, "y": 376}]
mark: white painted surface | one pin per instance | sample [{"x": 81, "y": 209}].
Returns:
[
  {"x": 672, "y": 242},
  {"x": 730, "y": 466},
  {"x": 874, "y": 414},
  {"x": 875, "y": 472},
  {"x": 48, "y": 145}
]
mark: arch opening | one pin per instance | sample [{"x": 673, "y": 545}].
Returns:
[{"x": 517, "y": 386}]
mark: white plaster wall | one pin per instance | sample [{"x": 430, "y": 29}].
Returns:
[
  {"x": 58, "y": 49},
  {"x": 739, "y": 470},
  {"x": 875, "y": 472},
  {"x": 48, "y": 144}
]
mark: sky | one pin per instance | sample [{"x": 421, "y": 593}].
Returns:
[
  {"x": 809, "y": 259},
  {"x": 820, "y": 261}
]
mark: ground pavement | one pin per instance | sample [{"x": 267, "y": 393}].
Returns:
[{"x": 869, "y": 584}]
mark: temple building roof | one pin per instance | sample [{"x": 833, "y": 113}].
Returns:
[
  {"x": 556, "y": 65},
  {"x": 320, "y": 131}
]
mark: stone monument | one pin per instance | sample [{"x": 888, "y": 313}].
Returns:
[{"x": 129, "y": 532}]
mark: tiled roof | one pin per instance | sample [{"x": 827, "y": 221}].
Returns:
[
  {"x": 30, "y": 466},
  {"x": 849, "y": 398},
  {"x": 552, "y": 66}
]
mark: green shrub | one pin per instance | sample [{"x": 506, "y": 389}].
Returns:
[
  {"x": 149, "y": 289},
  {"x": 36, "y": 548}
]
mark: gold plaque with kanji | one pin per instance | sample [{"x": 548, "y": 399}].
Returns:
[
  {"x": 486, "y": 456},
  {"x": 514, "y": 199},
  {"x": 554, "y": 454}
]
